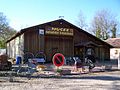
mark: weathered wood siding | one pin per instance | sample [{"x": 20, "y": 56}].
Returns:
[
  {"x": 102, "y": 51},
  {"x": 58, "y": 44},
  {"x": 31, "y": 41},
  {"x": 15, "y": 47},
  {"x": 50, "y": 43},
  {"x": 11, "y": 48}
]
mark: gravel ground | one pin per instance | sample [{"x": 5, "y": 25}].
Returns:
[{"x": 92, "y": 81}]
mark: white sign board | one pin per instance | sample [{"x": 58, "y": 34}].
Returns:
[{"x": 41, "y": 31}]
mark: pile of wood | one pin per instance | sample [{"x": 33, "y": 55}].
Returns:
[{"x": 4, "y": 64}]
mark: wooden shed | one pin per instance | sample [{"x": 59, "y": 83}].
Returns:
[{"x": 57, "y": 36}]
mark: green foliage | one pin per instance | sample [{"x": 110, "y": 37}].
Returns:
[
  {"x": 5, "y": 30},
  {"x": 113, "y": 30},
  {"x": 2, "y": 44},
  {"x": 98, "y": 31}
]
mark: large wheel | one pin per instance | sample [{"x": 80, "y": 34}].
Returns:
[{"x": 27, "y": 56}]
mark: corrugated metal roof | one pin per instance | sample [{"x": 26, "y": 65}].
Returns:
[{"x": 115, "y": 42}]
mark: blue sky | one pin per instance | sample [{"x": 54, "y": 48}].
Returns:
[{"x": 25, "y": 13}]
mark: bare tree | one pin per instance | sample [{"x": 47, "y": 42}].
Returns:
[
  {"x": 103, "y": 23},
  {"x": 81, "y": 21},
  {"x": 5, "y": 30}
]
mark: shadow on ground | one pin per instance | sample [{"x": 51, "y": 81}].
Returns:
[
  {"x": 108, "y": 78},
  {"x": 111, "y": 76},
  {"x": 92, "y": 76}
]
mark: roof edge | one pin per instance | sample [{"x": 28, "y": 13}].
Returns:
[{"x": 23, "y": 30}]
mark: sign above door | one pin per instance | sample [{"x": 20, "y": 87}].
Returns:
[{"x": 59, "y": 31}]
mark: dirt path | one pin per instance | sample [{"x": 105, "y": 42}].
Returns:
[{"x": 92, "y": 81}]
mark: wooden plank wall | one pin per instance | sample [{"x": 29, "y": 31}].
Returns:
[
  {"x": 60, "y": 44},
  {"x": 15, "y": 47},
  {"x": 31, "y": 41},
  {"x": 102, "y": 51}
]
